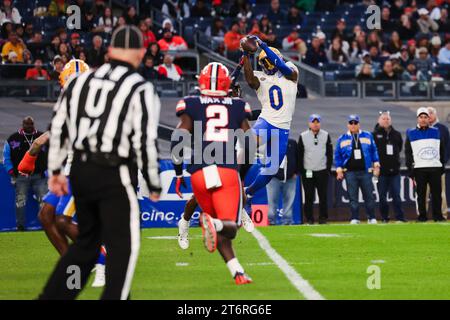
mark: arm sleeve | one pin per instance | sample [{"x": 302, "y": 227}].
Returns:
[
  {"x": 57, "y": 151},
  {"x": 7, "y": 157},
  {"x": 329, "y": 153},
  {"x": 338, "y": 162},
  {"x": 276, "y": 60},
  {"x": 146, "y": 109}
]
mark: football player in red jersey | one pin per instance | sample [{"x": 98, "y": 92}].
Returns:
[{"x": 216, "y": 184}]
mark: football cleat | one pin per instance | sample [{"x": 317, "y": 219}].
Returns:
[
  {"x": 183, "y": 234},
  {"x": 209, "y": 232},
  {"x": 242, "y": 278},
  {"x": 99, "y": 280},
  {"x": 247, "y": 222}
]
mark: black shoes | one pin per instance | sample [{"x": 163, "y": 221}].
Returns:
[{"x": 21, "y": 228}]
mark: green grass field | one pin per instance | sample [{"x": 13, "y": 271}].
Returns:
[{"x": 413, "y": 259}]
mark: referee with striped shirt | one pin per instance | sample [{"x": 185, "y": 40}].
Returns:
[{"x": 109, "y": 118}]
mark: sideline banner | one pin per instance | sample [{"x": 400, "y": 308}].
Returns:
[{"x": 164, "y": 213}]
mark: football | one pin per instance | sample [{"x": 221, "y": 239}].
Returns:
[{"x": 249, "y": 45}]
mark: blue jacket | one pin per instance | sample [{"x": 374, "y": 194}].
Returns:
[{"x": 344, "y": 149}]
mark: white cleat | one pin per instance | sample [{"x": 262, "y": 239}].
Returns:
[
  {"x": 247, "y": 222},
  {"x": 99, "y": 280},
  {"x": 372, "y": 221},
  {"x": 354, "y": 221},
  {"x": 183, "y": 234}
]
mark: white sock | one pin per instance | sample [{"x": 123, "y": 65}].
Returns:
[
  {"x": 234, "y": 266},
  {"x": 183, "y": 222},
  {"x": 218, "y": 224}
]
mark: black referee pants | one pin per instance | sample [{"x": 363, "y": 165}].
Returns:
[
  {"x": 318, "y": 181},
  {"x": 423, "y": 177},
  {"x": 108, "y": 213}
]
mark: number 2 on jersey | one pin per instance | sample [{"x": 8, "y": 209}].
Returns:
[
  {"x": 276, "y": 97},
  {"x": 216, "y": 126}
]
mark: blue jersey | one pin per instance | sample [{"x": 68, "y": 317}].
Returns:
[{"x": 215, "y": 119}]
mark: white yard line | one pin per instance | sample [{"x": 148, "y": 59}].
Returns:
[{"x": 302, "y": 285}]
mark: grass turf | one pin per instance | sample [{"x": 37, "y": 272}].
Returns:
[{"x": 413, "y": 259}]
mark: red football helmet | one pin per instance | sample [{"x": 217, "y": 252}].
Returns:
[{"x": 214, "y": 80}]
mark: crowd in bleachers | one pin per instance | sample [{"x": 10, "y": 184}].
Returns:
[
  {"x": 34, "y": 37},
  {"x": 412, "y": 44}
]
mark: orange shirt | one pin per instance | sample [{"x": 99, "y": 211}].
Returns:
[
  {"x": 232, "y": 40},
  {"x": 33, "y": 74},
  {"x": 177, "y": 43}
]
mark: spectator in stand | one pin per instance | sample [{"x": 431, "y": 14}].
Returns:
[
  {"x": 167, "y": 24},
  {"x": 121, "y": 21},
  {"x": 172, "y": 42},
  {"x": 388, "y": 73},
  {"x": 82, "y": 56},
  {"x": 294, "y": 43},
  {"x": 444, "y": 53},
  {"x": 356, "y": 159},
  {"x": 233, "y": 37},
  {"x": 176, "y": 8},
  {"x": 361, "y": 40},
  {"x": 397, "y": 9},
  {"x": 88, "y": 22},
  {"x": 395, "y": 43},
  {"x": 240, "y": 9},
  {"x": 366, "y": 72},
  {"x": 407, "y": 29},
  {"x": 275, "y": 14},
  {"x": 444, "y": 21},
  {"x": 340, "y": 30},
  {"x": 12, "y": 68},
  {"x": 62, "y": 34},
  {"x": 37, "y": 46},
  {"x": 58, "y": 66},
  {"x": 28, "y": 32},
  {"x": 106, "y": 21},
  {"x": 63, "y": 51},
  {"x": 147, "y": 34},
  {"x": 148, "y": 70},
  {"x": 335, "y": 53},
  {"x": 424, "y": 64},
  {"x": 154, "y": 52},
  {"x": 15, "y": 44},
  {"x": 435, "y": 47},
  {"x": 396, "y": 65},
  {"x": 374, "y": 40},
  {"x": 13, "y": 152},
  {"x": 374, "y": 54},
  {"x": 169, "y": 69},
  {"x": 52, "y": 49},
  {"x": 265, "y": 25},
  {"x": 425, "y": 23},
  {"x": 412, "y": 49},
  {"x": 57, "y": 8},
  {"x": 389, "y": 145},
  {"x": 435, "y": 11},
  {"x": 75, "y": 46},
  {"x": 200, "y": 9},
  {"x": 27, "y": 57},
  {"x": 294, "y": 17},
  {"x": 425, "y": 170},
  {"x": 217, "y": 32},
  {"x": 322, "y": 38},
  {"x": 96, "y": 54},
  {"x": 387, "y": 25},
  {"x": 243, "y": 26},
  {"x": 37, "y": 73},
  {"x": 9, "y": 13},
  {"x": 316, "y": 55},
  {"x": 366, "y": 58},
  {"x": 404, "y": 56},
  {"x": 131, "y": 16},
  {"x": 355, "y": 52},
  {"x": 149, "y": 22}
]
